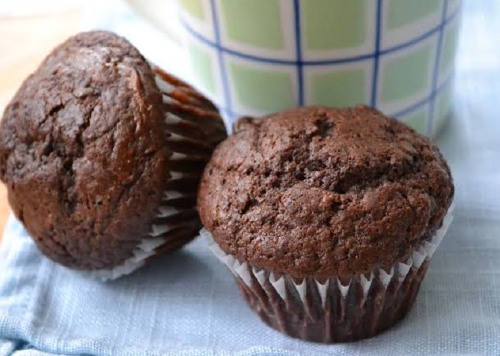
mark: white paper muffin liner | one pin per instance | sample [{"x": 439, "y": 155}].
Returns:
[
  {"x": 148, "y": 246},
  {"x": 333, "y": 310},
  {"x": 177, "y": 222}
]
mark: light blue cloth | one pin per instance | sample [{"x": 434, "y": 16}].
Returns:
[{"x": 188, "y": 304}]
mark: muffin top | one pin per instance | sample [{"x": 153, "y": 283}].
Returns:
[
  {"x": 82, "y": 151},
  {"x": 322, "y": 192}
]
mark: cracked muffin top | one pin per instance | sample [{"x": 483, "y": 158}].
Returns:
[
  {"x": 323, "y": 192},
  {"x": 82, "y": 151}
]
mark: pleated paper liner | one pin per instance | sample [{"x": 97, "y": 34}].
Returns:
[
  {"x": 193, "y": 128},
  {"x": 191, "y": 114},
  {"x": 175, "y": 224},
  {"x": 334, "y": 309}
]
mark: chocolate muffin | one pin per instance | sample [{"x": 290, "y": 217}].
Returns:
[
  {"x": 328, "y": 218},
  {"x": 102, "y": 154}
]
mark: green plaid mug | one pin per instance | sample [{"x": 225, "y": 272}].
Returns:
[{"x": 255, "y": 57}]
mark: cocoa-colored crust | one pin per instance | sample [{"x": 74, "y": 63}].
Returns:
[
  {"x": 83, "y": 151},
  {"x": 338, "y": 319},
  {"x": 324, "y": 192}
]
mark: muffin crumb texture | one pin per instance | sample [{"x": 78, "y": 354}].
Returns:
[
  {"x": 82, "y": 151},
  {"x": 321, "y": 192}
]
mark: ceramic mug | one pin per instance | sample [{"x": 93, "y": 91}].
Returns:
[{"x": 255, "y": 57}]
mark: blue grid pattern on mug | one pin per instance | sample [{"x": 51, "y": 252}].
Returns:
[{"x": 396, "y": 55}]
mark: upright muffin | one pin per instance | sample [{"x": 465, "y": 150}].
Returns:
[
  {"x": 102, "y": 154},
  {"x": 328, "y": 218}
]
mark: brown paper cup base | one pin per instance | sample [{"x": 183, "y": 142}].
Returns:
[
  {"x": 177, "y": 239},
  {"x": 193, "y": 129},
  {"x": 339, "y": 319},
  {"x": 333, "y": 309}
]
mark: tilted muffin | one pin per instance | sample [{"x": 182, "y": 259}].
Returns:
[
  {"x": 102, "y": 153},
  {"x": 328, "y": 218}
]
